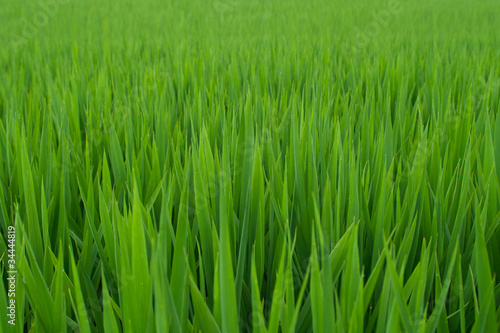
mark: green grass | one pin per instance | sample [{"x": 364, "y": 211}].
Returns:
[{"x": 278, "y": 166}]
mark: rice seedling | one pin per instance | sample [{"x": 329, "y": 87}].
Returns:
[{"x": 250, "y": 166}]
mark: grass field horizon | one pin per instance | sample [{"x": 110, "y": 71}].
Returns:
[{"x": 249, "y": 166}]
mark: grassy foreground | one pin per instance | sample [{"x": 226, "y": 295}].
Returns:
[{"x": 264, "y": 166}]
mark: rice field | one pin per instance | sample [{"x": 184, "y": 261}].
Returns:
[{"x": 249, "y": 166}]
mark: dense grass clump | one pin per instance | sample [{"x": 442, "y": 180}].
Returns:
[{"x": 264, "y": 166}]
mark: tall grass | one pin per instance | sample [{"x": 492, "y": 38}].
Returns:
[{"x": 270, "y": 167}]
